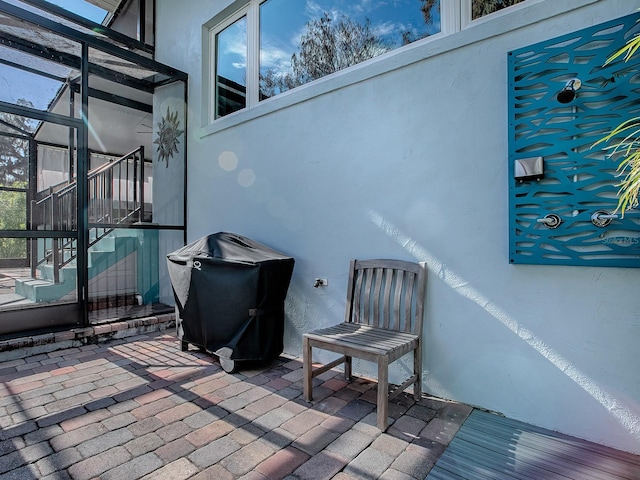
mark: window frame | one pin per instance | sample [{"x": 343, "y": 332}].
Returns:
[
  {"x": 251, "y": 10},
  {"x": 213, "y": 56},
  {"x": 457, "y": 29},
  {"x": 466, "y": 12}
]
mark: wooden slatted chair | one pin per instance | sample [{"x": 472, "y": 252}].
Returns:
[{"x": 383, "y": 322}]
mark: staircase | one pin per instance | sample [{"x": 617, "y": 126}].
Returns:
[
  {"x": 116, "y": 197},
  {"x": 107, "y": 259}
]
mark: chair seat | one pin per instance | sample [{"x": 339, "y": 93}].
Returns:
[{"x": 373, "y": 340}]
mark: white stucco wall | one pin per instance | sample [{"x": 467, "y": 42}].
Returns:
[{"x": 411, "y": 163}]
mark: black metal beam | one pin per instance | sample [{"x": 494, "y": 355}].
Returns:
[
  {"x": 142, "y": 20},
  {"x": 72, "y": 61},
  {"x": 52, "y": 317},
  {"x": 93, "y": 26},
  {"x": 33, "y": 186},
  {"x": 22, "y": 45},
  {"x": 74, "y": 233},
  {"x": 12, "y": 189},
  {"x": 91, "y": 41},
  {"x": 121, "y": 78},
  {"x": 185, "y": 215},
  {"x": 40, "y": 115},
  {"x": 32, "y": 70},
  {"x": 71, "y": 134},
  {"x": 137, "y": 226},
  {"x": 38, "y": 233},
  {"x": 24, "y": 134},
  {"x": 166, "y": 81},
  {"x": 91, "y": 152},
  {"x": 82, "y": 192},
  {"x": 119, "y": 100}
]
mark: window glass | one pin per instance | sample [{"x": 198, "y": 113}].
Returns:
[
  {"x": 14, "y": 152},
  {"x": 231, "y": 68},
  {"x": 304, "y": 41},
  {"x": 13, "y": 208},
  {"x": 14, "y": 174},
  {"x": 481, "y": 8}
]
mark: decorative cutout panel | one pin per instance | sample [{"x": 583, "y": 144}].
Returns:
[{"x": 561, "y": 101}]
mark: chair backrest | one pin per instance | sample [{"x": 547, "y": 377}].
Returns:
[{"x": 387, "y": 293}]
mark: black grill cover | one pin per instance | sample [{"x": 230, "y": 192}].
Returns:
[{"x": 230, "y": 292}]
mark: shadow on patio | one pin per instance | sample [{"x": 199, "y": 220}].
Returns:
[{"x": 142, "y": 408}]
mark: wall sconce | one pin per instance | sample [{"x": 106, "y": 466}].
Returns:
[{"x": 568, "y": 93}]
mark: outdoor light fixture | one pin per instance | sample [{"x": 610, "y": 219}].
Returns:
[{"x": 568, "y": 93}]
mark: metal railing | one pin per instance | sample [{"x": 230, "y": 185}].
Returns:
[{"x": 116, "y": 196}]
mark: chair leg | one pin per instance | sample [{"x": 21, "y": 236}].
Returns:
[
  {"x": 417, "y": 370},
  {"x": 306, "y": 370},
  {"x": 383, "y": 392},
  {"x": 347, "y": 368}
]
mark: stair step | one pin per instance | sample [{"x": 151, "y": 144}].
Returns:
[
  {"x": 44, "y": 289},
  {"x": 67, "y": 273},
  {"x": 12, "y": 300},
  {"x": 41, "y": 290}
]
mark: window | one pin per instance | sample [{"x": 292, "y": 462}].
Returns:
[
  {"x": 301, "y": 42},
  {"x": 298, "y": 42},
  {"x": 262, "y": 48},
  {"x": 480, "y": 8},
  {"x": 231, "y": 68}
]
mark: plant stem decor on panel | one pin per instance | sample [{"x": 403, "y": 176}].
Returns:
[
  {"x": 168, "y": 133},
  {"x": 626, "y": 142}
]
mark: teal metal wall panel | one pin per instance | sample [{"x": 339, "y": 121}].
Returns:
[{"x": 578, "y": 180}]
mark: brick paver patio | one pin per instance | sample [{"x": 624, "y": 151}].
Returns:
[{"x": 141, "y": 408}]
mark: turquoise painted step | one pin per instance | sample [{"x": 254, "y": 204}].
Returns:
[
  {"x": 39, "y": 290},
  {"x": 45, "y": 290}
]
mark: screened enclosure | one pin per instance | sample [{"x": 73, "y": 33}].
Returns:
[{"x": 92, "y": 165}]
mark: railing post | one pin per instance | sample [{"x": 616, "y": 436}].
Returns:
[
  {"x": 134, "y": 183},
  {"x": 56, "y": 222},
  {"x": 56, "y": 260},
  {"x": 141, "y": 187},
  {"x": 91, "y": 209},
  {"x": 108, "y": 195},
  {"x": 33, "y": 243}
]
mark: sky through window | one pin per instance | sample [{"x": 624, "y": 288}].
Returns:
[
  {"x": 17, "y": 84},
  {"x": 284, "y": 22}
]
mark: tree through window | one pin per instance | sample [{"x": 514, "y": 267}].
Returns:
[
  {"x": 303, "y": 41},
  {"x": 272, "y": 46}
]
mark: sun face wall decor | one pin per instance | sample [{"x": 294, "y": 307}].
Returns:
[{"x": 168, "y": 133}]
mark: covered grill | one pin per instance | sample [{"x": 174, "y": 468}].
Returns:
[{"x": 229, "y": 292}]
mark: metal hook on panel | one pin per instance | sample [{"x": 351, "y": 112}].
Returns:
[
  {"x": 550, "y": 221},
  {"x": 602, "y": 218}
]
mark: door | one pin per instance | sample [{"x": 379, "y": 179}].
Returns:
[{"x": 38, "y": 221}]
